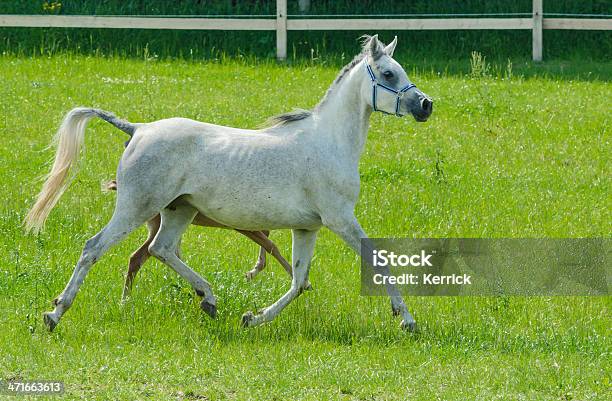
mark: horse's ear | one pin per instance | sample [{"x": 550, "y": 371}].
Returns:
[
  {"x": 391, "y": 47},
  {"x": 375, "y": 47}
]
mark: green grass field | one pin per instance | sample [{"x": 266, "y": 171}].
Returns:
[{"x": 500, "y": 157}]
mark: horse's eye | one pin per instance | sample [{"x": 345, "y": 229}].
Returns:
[{"x": 388, "y": 74}]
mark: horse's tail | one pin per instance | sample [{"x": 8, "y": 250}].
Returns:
[{"x": 69, "y": 141}]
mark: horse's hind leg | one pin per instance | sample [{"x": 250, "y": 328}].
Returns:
[
  {"x": 120, "y": 225},
  {"x": 139, "y": 257},
  {"x": 173, "y": 225}
]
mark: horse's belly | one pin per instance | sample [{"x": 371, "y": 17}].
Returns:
[{"x": 257, "y": 213}]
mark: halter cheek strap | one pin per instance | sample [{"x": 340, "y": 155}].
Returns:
[{"x": 398, "y": 93}]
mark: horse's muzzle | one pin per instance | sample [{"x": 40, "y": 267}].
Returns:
[{"x": 422, "y": 113}]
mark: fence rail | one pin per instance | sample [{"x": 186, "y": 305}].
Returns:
[
  {"x": 83, "y": 21},
  {"x": 281, "y": 24},
  {"x": 355, "y": 24}
]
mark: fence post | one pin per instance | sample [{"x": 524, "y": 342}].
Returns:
[
  {"x": 537, "y": 30},
  {"x": 281, "y": 29}
]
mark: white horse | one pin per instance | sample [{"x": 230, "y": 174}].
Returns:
[{"x": 301, "y": 173}]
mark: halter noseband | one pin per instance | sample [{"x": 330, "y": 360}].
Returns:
[{"x": 398, "y": 93}]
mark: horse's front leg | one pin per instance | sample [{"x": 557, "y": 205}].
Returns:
[
  {"x": 351, "y": 232},
  {"x": 302, "y": 249}
]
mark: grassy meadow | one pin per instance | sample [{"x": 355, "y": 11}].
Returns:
[{"x": 505, "y": 154}]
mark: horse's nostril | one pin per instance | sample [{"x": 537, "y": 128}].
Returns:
[{"x": 427, "y": 105}]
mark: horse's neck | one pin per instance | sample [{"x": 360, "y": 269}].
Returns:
[{"x": 344, "y": 117}]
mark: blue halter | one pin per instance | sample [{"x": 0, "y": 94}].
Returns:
[{"x": 398, "y": 93}]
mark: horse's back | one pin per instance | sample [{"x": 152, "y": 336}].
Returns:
[{"x": 179, "y": 126}]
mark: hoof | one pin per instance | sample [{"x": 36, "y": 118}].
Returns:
[
  {"x": 409, "y": 326},
  {"x": 395, "y": 311},
  {"x": 208, "y": 308},
  {"x": 250, "y": 275},
  {"x": 125, "y": 297},
  {"x": 308, "y": 286},
  {"x": 247, "y": 319},
  {"x": 50, "y": 321}
]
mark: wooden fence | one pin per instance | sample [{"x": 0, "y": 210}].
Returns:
[{"x": 281, "y": 24}]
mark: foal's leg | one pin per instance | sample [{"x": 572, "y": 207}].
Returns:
[
  {"x": 303, "y": 247},
  {"x": 351, "y": 232},
  {"x": 164, "y": 245},
  {"x": 261, "y": 237},
  {"x": 261, "y": 261},
  {"x": 139, "y": 257},
  {"x": 121, "y": 224}
]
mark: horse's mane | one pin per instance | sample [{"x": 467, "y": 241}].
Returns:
[
  {"x": 280, "y": 120},
  {"x": 300, "y": 114}
]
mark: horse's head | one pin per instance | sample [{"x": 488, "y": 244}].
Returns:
[{"x": 386, "y": 86}]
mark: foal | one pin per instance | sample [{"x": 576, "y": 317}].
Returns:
[{"x": 142, "y": 254}]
